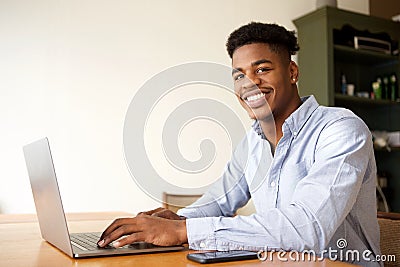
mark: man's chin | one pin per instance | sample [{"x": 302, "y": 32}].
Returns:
[{"x": 261, "y": 117}]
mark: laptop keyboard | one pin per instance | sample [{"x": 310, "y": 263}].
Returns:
[{"x": 86, "y": 241}]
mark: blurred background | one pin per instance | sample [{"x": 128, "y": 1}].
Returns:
[{"x": 69, "y": 69}]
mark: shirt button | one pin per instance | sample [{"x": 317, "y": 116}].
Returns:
[
  {"x": 295, "y": 133},
  {"x": 272, "y": 184},
  {"x": 202, "y": 244}
]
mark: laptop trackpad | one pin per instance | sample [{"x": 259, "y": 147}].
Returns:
[{"x": 141, "y": 245}]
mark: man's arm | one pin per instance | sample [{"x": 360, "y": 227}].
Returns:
[{"x": 319, "y": 205}]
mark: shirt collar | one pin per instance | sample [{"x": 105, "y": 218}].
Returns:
[
  {"x": 300, "y": 116},
  {"x": 297, "y": 119},
  {"x": 257, "y": 128}
]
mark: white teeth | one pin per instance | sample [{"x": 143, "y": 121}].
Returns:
[{"x": 255, "y": 97}]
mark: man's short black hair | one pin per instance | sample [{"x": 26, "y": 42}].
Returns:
[{"x": 277, "y": 37}]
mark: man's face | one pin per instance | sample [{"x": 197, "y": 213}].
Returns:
[{"x": 264, "y": 81}]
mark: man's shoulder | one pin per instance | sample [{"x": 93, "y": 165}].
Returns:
[
  {"x": 328, "y": 113},
  {"x": 339, "y": 117},
  {"x": 335, "y": 113},
  {"x": 317, "y": 115}
]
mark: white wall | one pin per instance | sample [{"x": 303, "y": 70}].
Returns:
[{"x": 69, "y": 69}]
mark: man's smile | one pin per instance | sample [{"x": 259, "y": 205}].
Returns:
[{"x": 256, "y": 98}]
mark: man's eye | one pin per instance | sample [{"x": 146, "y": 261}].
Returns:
[
  {"x": 260, "y": 70},
  {"x": 238, "y": 77}
]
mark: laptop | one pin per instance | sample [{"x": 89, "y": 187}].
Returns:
[{"x": 51, "y": 216}]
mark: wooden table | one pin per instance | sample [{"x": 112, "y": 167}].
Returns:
[{"x": 22, "y": 245}]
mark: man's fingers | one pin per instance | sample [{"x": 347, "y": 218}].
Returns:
[
  {"x": 117, "y": 233},
  {"x": 150, "y": 212},
  {"x": 135, "y": 237},
  {"x": 114, "y": 225},
  {"x": 117, "y": 229}
]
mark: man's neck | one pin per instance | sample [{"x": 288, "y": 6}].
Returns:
[
  {"x": 272, "y": 126},
  {"x": 272, "y": 131}
]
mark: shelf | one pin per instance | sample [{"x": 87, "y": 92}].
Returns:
[
  {"x": 350, "y": 54},
  {"x": 323, "y": 62},
  {"x": 392, "y": 149},
  {"x": 339, "y": 98}
]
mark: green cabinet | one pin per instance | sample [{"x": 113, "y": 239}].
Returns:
[{"x": 323, "y": 61}]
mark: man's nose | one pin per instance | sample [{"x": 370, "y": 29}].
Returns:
[{"x": 251, "y": 81}]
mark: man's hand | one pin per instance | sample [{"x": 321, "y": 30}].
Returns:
[
  {"x": 163, "y": 213},
  {"x": 151, "y": 229}
]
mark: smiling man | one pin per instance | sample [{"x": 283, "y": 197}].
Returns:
[
  {"x": 265, "y": 83},
  {"x": 309, "y": 169}
]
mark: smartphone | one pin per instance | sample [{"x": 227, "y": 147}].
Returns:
[{"x": 222, "y": 256}]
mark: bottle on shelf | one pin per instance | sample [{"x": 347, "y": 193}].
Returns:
[
  {"x": 377, "y": 89},
  {"x": 343, "y": 84},
  {"x": 393, "y": 90},
  {"x": 385, "y": 88}
]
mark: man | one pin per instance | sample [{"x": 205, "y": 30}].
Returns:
[{"x": 310, "y": 170}]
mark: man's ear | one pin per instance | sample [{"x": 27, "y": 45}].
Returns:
[{"x": 294, "y": 72}]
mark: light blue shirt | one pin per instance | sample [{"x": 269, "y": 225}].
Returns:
[{"x": 316, "y": 190}]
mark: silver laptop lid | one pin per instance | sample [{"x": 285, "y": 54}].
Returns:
[
  {"x": 50, "y": 212},
  {"x": 49, "y": 209}
]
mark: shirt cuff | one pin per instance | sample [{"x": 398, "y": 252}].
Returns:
[
  {"x": 189, "y": 213},
  {"x": 201, "y": 233}
]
